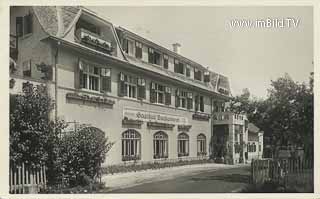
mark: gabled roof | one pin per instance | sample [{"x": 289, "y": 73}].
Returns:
[{"x": 57, "y": 20}]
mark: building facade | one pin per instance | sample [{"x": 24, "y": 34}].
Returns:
[{"x": 154, "y": 103}]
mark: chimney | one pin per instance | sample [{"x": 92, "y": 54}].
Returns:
[{"x": 176, "y": 48}]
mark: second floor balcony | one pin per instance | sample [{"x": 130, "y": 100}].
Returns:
[
  {"x": 94, "y": 41},
  {"x": 229, "y": 118}
]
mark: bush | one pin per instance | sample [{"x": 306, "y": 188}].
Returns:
[{"x": 81, "y": 154}]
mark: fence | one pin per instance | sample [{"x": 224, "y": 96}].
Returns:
[
  {"x": 286, "y": 172},
  {"x": 23, "y": 179}
]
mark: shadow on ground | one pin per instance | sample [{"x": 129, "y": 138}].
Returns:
[{"x": 237, "y": 178}]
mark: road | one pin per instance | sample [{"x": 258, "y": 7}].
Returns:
[{"x": 212, "y": 181}]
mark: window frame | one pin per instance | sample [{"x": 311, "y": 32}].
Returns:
[
  {"x": 163, "y": 143},
  {"x": 183, "y": 144},
  {"x": 138, "y": 48},
  {"x": 130, "y": 138},
  {"x": 201, "y": 144}
]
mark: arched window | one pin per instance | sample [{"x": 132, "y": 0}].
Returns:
[
  {"x": 201, "y": 145},
  {"x": 131, "y": 145},
  {"x": 160, "y": 145},
  {"x": 183, "y": 145}
]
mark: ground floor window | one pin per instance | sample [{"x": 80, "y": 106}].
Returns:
[
  {"x": 160, "y": 145},
  {"x": 201, "y": 145},
  {"x": 131, "y": 145},
  {"x": 183, "y": 145}
]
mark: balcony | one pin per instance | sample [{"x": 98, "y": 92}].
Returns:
[
  {"x": 94, "y": 41},
  {"x": 229, "y": 118},
  {"x": 14, "y": 47}
]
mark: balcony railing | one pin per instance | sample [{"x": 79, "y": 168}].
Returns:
[
  {"x": 14, "y": 47},
  {"x": 93, "y": 40}
]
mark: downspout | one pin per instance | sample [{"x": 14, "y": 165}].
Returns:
[
  {"x": 56, "y": 79},
  {"x": 211, "y": 127}
]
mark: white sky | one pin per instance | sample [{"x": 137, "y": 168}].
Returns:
[{"x": 249, "y": 57}]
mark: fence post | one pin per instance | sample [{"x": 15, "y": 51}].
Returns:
[{"x": 23, "y": 178}]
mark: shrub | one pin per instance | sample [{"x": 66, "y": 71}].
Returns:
[{"x": 82, "y": 153}]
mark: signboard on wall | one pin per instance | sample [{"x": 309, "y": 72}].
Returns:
[{"x": 151, "y": 116}]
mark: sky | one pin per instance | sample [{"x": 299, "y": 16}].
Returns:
[{"x": 250, "y": 57}]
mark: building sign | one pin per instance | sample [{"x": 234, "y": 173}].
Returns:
[{"x": 150, "y": 116}]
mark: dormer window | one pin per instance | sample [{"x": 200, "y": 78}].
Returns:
[
  {"x": 138, "y": 50},
  {"x": 197, "y": 74},
  {"x": 88, "y": 26},
  {"x": 178, "y": 67}
]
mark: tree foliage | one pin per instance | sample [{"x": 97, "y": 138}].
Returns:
[
  {"x": 36, "y": 139},
  {"x": 286, "y": 116},
  {"x": 82, "y": 153},
  {"x": 32, "y": 133}
]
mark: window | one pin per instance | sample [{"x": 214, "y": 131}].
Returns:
[
  {"x": 131, "y": 86},
  {"x": 26, "y": 68},
  {"x": 183, "y": 99},
  {"x": 154, "y": 57},
  {"x": 201, "y": 145},
  {"x": 199, "y": 103},
  {"x": 93, "y": 77},
  {"x": 178, "y": 67},
  {"x": 88, "y": 26},
  {"x": 131, "y": 145},
  {"x": 183, "y": 145},
  {"x": 24, "y": 25},
  {"x": 165, "y": 61},
  {"x": 138, "y": 50},
  {"x": 160, "y": 145},
  {"x": 160, "y": 94},
  {"x": 197, "y": 74}
]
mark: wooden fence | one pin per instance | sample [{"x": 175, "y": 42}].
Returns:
[
  {"x": 286, "y": 172},
  {"x": 23, "y": 179}
]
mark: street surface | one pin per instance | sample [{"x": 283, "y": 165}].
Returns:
[{"x": 214, "y": 180}]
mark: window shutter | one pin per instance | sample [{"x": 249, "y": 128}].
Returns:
[
  {"x": 78, "y": 76},
  {"x": 153, "y": 94},
  {"x": 197, "y": 103},
  {"x": 19, "y": 26},
  {"x": 105, "y": 80},
  {"x": 190, "y": 101},
  {"x": 141, "y": 88},
  {"x": 122, "y": 90},
  {"x": 168, "y": 96},
  {"x": 177, "y": 98},
  {"x": 125, "y": 45}
]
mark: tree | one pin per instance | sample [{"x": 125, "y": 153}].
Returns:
[
  {"x": 32, "y": 133},
  {"x": 286, "y": 116}
]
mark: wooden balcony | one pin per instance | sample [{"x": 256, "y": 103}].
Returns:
[{"x": 94, "y": 41}]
